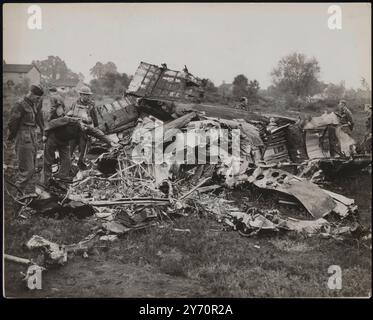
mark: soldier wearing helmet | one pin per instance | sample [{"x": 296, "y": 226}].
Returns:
[{"x": 84, "y": 109}]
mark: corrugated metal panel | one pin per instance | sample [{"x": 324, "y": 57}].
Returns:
[
  {"x": 152, "y": 81},
  {"x": 116, "y": 114},
  {"x": 317, "y": 143},
  {"x": 144, "y": 79},
  {"x": 276, "y": 146}
]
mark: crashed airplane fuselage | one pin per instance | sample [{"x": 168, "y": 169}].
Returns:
[{"x": 166, "y": 94}]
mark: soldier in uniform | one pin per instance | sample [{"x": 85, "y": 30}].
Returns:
[
  {"x": 345, "y": 115},
  {"x": 83, "y": 109},
  {"x": 243, "y": 104},
  {"x": 60, "y": 132},
  {"x": 53, "y": 144},
  {"x": 25, "y": 116},
  {"x": 57, "y": 107}
]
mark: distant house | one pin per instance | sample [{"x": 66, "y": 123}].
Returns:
[
  {"x": 14, "y": 74},
  {"x": 65, "y": 86}
]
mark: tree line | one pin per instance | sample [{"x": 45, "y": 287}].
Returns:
[{"x": 295, "y": 78}]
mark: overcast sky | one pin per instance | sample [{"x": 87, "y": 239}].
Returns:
[{"x": 216, "y": 41}]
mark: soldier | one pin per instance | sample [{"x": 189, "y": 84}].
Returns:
[
  {"x": 25, "y": 116},
  {"x": 60, "y": 132},
  {"x": 345, "y": 115},
  {"x": 53, "y": 144},
  {"x": 53, "y": 93},
  {"x": 57, "y": 108},
  {"x": 243, "y": 103},
  {"x": 84, "y": 109}
]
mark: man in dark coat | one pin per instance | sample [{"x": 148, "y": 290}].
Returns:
[{"x": 25, "y": 116}]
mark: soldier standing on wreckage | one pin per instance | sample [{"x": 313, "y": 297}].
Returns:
[
  {"x": 25, "y": 116},
  {"x": 84, "y": 109},
  {"x": 345, "y": 115}
]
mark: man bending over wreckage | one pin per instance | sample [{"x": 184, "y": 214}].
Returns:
[{"x": 59, "y": 133}]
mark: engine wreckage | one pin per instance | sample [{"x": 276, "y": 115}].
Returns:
[{"x": 286, "y": 157}]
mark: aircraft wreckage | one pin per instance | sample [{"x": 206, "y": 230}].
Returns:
[
  {"x": 321, "y": 140},
  {"x": 286, "y": 157}
]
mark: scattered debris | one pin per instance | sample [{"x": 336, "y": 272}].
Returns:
[
  {"x": 123, "y": 191},
  {"x": 53, "y": 252},
  {"x": 110, "y": 237}
]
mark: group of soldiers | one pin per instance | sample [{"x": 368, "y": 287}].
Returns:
[{"x": 64, "y": 131}]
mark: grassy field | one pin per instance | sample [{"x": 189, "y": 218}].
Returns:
[{"x": 208, "y": 261}]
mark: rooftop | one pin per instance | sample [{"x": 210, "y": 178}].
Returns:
[{"x": 17, "y": 68}]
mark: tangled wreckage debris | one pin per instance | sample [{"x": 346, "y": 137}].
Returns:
[{"x": 125, "y": 191}]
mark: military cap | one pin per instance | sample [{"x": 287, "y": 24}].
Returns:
[{"x": 37, "y": 90}]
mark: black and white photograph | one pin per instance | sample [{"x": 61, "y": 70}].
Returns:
[{"x": 187, "y": 150}]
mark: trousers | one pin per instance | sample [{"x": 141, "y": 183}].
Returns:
[
  {"x": 51, "y": 146},
  {"x": 25, "y": 147}
]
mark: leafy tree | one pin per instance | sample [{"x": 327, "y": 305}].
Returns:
[
  {"x": 209, "y": 86},
  {"x": 209, "y": 92},
  {"x": 97, "y": 71},
  {"x": 240, "y": 85},
  {"x": 253, "y": 90},
  {"x": 297, "y": 75},
  {"x": 110, "y": 83},
  {"x": 364, "y": 93},
  {"x": 96, "y": 86},
  {"x": 110, "y": 67},
  {"x": 335, "y": 91},
  {"x": 54, "y": 68}
]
